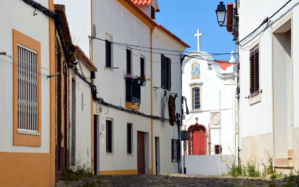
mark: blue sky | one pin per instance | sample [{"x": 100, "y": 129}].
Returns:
[{"x": 184, "y": 17}]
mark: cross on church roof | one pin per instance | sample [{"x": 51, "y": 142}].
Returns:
[{"x": 198, "y": 39}]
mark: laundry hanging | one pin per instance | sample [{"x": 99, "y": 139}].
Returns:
[{"x": 171, "y": 109}]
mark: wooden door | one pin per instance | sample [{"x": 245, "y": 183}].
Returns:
[
  {"x": 140, "y": 153},
  {"x": 199, "y": 141}
]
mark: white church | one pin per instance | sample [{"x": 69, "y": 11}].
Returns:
[{"x": 209, "y": 87}]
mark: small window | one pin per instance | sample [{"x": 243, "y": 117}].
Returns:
[
  {"x": 108, "y": 49},
  {"x": 108, "y": 136},
  {"x": 129, "y": 62},
  {"x": 165, "y": 72},
  {"x": 218, "y": 149},
  {"x": 153, "y": 12},
  {"x": 196, "y": 98},
  {"x": 254, "y": 71},
  {"x": 129, "y": 138},
  {"x": 142, "y": 70}
]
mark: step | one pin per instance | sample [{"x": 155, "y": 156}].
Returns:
[{"x": 284, "y": 169}]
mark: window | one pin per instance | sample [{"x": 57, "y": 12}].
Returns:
[
  {"x": 175, "y": 150},
  {"x": 165, "y": 72},
  {"x": 142, "y": 70},
  {"x": 153, "y": 13},
  {"x": 27, "y": 90},
  {"x": 27, "y": 87},
  {"x": 196, "y": 98},
  {"x": 108, "y": 136},
  {"x": 129, "y": 138},
  {"x": 129, "y": 61},
  {"x": 108, "y": 43},
  {"x": 254, "y": 71},
  {"x": 218, "y": 149}
]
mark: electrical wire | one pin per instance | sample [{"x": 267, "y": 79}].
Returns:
[
  {"x": 149, "y": 49},
  {"x": 265, "y": 21},
  {"x": 24, "y": 68}
]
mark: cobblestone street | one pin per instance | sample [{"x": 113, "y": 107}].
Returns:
[{"x": 169, "y": 180}]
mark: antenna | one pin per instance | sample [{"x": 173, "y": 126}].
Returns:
[{"x": 94, "y": 31}]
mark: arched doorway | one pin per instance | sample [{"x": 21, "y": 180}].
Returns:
[{"x": 197, "y": 140}]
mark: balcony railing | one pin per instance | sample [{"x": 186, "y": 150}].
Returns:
[{"x": 133, "y": 91}]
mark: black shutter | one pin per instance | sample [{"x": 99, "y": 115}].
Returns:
[
  {"x": 142, "y": 73},
  {"x": 108, "y": 54},
  {"x": 128, "y": 61},
  {"x": 254, "y": 71},
  {"x": 108, "y": 136},
  {"x": 129, "y": 138},
  {"x": 178, "y": 150},
  {"x": 172, "y": 151},
  {"x": 153, "y": 12},
  {"x": 169, "y": 73},
  {"x": 162, "y": 71}
]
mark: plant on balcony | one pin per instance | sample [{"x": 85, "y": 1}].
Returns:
[{"x": 142, "y": 79}]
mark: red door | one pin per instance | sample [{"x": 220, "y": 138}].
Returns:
[
  {"x": 140, "y": 153},
  {"x": 199, "y": 141}
]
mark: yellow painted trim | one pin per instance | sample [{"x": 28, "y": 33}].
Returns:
[
  {"x": 120, "y": 172},
  {"x": 25, "y": 139},
  {"x": 25, "y": 169},
  {"x": 52, "y": 94},
  {"x": 132, "y": 106},
  {"x": 152, "y": 122},
  {"x": 137, "y": 14},
  {"x": 92, "y": 137}
]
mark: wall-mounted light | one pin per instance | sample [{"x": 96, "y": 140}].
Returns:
[{"x": 221, "y": 13}]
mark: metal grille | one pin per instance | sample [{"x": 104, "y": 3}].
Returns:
[
  {"x": 196, "y": 98},
  {"x": 27, "y": 89}
]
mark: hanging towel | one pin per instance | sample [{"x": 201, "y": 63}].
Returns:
[{"x": 171, "y": 109}]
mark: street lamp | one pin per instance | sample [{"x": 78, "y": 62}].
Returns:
[{"x": 221, "y": 14}]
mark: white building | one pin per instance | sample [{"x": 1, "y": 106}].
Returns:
[
  {"x": 133, "y": 135},
  {"x": 269, "y": 81},
  {"x": 209, "y": 86},
  {"x": 27, "y": 97}
]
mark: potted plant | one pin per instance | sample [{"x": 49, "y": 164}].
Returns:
[{"x": 142, "y": 79}]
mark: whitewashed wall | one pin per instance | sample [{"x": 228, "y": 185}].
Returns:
[
  {"x": 19, "y": 16},
  {"x": 82, "y": 118},
  {"x": 164, "y": 130},
  {"x": 124, "y": 27},
  {"x": 256, "y": 121},
  {"x": 217, "y": 95},
  {"x": 208, "y": 165}
]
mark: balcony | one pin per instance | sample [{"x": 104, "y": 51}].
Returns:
[{"x": 133, "y": 99}]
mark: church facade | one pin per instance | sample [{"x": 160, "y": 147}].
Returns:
[{"x": 209, "y": 89}]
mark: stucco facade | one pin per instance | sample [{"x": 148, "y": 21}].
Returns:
[
  {"x": 27, "y": 150},
  {"x": 127, "y": 27},
  {"x": 271, "y": 114}
]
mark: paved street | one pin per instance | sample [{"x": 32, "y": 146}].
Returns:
[{"x": 175, "y": 180}]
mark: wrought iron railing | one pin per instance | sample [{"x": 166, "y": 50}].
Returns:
[{"x": 133, "y": 91}]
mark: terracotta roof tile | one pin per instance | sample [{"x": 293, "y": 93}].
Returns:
[
  {"x": 142, "y": 2},
  {"x": 223, "y": 64}
]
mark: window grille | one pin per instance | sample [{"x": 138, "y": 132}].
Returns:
[
  {"x": 195, "y": 98},
  {"x": 27, "y": 89}
]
